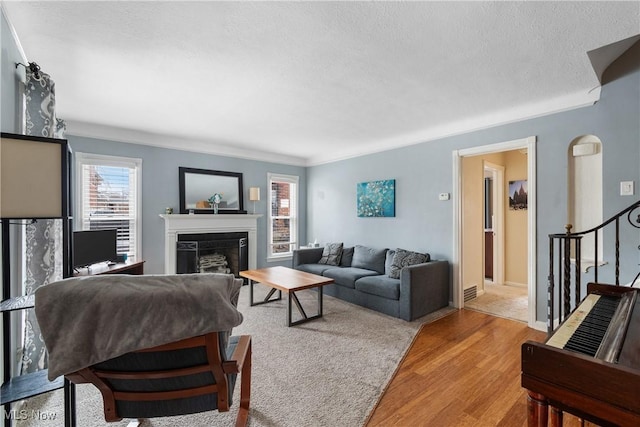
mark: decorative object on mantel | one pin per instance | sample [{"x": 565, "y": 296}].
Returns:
[
  {"x": 254, "y": 196},
  {"x": 376, "y": 198},
  {"x": 215, "y": 201},
  {"x": 200, "y": 188}
]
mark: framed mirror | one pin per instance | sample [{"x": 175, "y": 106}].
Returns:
[{"x": 200, "y": 187}]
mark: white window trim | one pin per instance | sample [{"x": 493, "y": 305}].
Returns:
[
  {"x": 101, "y": 159},
  {"x": 292, "y": 179}
]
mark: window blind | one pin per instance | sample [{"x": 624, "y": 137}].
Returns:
[
  {"x": 109, "y": 195},
  {"x": 283, "y": 215}
]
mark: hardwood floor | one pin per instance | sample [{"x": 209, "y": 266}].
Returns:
[{"x": 462, "y": 370}]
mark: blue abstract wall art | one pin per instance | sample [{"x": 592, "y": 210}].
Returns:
[{"x": 377, "y": 198}]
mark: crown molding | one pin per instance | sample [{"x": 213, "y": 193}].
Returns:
[
  {"x": 174, "y": 142},
  {"x": 528, "y": 111}
]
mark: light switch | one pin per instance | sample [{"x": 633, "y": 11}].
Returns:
[
  {"x": 626, "y": 188},
  {"x": 443, "y": 196}
]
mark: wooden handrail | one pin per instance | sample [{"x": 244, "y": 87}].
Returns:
[
  {"x": 569, "y": 242},
  {"x": 615, "y": 217}
]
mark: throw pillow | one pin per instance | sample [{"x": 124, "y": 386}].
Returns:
[
  {"x": 404, "y": 258},
  {"x": 331, "y": 254},
  {"x": 347, "y": 257},
  {"x": 388, "y": 262},
  {"x": 369, "y": 258}
]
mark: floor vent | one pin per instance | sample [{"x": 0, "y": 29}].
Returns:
[{"x": 470, "y": 293}]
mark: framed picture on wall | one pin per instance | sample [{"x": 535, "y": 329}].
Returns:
[
  {"x": 518, "y": 195},
  {"x": 377, "y": 198}
]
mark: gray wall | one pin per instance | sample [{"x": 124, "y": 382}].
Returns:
[
  {"x": 422, "y": 171},
  {"x": 10, "y": 79},
  {"x": 160, "y": 189}
]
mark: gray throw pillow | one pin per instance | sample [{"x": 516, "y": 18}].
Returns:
[
  {"x": 369, "y": 258},
  {"x": 404, "y": 258},
  {"x": 388, "y": 262},
  {"x": 347, "y": 257},
  {"x": 331, "y": 254}
]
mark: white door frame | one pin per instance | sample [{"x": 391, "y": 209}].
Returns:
[
  {"x": 497, "y": 201},
  {"x": 525, "y": 143}
]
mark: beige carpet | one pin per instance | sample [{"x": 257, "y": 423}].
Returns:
[
  {"x": 506, "y": 301},
  {"x": 328, "y": 372}
]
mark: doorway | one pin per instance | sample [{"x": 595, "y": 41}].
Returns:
[{"x": 465, "y": 256}]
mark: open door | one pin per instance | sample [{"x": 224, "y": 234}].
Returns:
[{"x": 494, "y": 222}]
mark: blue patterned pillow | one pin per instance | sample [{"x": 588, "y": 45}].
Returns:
[
  {"x": 331, "y": 254},
  {"x": 404, "y": 258}
]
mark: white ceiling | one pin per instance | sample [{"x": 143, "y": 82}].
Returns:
[{"x": 311, "y": 82}]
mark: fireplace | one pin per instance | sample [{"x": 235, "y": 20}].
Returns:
[
  {"x": 183, "y": 228},
  {"x": 212, "y": 253}
]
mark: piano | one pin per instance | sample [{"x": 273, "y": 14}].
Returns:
[{"x": 590, "y": 365}]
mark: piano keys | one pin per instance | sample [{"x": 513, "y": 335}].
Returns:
[{"x": 589, "y": 366}]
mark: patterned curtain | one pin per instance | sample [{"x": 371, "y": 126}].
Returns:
[
  {"x": 43, "y": 239},
  {"x": 40, "y": 114}
]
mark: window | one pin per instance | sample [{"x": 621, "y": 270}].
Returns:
[
  {"x": 283, "y": 215},
  {"x": 108, "y": 196}
]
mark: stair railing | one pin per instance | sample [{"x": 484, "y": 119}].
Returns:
[{"x": 570, "y": 243}]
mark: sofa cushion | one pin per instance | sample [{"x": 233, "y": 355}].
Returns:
[
  {"x": 389, "y": 261},
  {"x": 404, "y": 258},
  {"x": 318, "y": 269},
  {"x": 382, "y": 286},
  {"x": 369, "y": 258},
  {"x": 331, "y": 254},
  {"x": 347, "y": 276},
  {"x": 347, "y": 257}
]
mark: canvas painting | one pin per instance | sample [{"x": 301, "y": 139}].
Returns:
[
  {"x": 377, "y": 198},
  {"x": 518, "y": 194}
]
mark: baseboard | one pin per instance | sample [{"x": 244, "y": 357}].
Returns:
[
  {"x": 519, "y": 285},
  {"x": 540, "y": 326}
]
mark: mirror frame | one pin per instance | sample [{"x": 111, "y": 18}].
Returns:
[{"x": 213, "y": 176}]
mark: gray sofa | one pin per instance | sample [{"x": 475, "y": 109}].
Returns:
[{"x": 362, "y": 277}]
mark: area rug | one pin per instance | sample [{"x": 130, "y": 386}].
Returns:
[{"x": 327, "y": 372}]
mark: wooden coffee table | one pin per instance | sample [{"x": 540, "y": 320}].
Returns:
[{"x": 290, "y": 281}]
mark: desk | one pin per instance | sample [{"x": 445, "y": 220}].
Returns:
[{"x": 136, "y": 268}]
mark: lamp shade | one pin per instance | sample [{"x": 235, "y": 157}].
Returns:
[
  {"x": 254, "y": 194},
  {"x": 32, "y": 178}
]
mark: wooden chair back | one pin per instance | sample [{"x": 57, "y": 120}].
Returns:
[{"x": 184, "y": 377}]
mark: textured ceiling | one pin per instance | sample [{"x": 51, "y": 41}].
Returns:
[{"x": 311, "y": 82}]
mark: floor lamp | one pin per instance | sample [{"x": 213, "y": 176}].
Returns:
[{"x": 254, "y": 196}]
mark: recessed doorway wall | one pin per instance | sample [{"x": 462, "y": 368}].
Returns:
[{"x": 585, "y": 195}]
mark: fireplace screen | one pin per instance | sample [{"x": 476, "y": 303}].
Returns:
[{"x": 212, "y": 253}]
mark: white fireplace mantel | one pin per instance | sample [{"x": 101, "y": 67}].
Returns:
[{"x": 176, "y": 224}]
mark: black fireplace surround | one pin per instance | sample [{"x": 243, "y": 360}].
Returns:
[{"x": 212, "y": 253}]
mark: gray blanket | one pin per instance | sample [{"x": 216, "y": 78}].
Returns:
[{"x": 87, "y": 320}]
